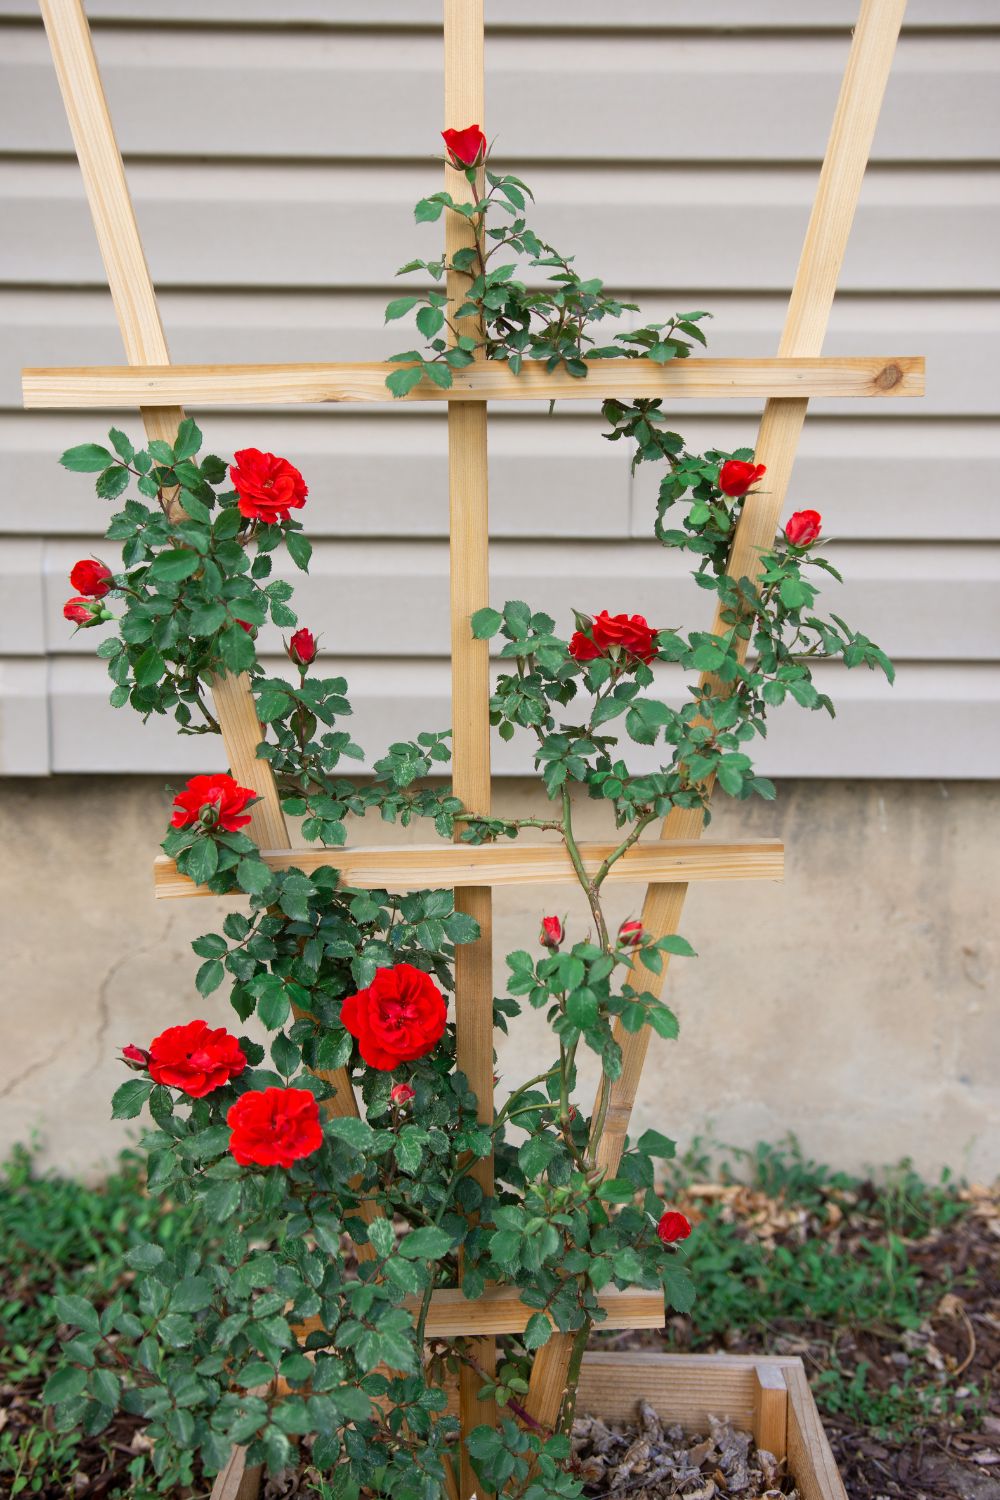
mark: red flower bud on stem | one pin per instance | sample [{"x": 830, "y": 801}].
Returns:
[
  {"x": 91, "y": 578},
  {"x": 552, "y": 932},
  {"x": 803, "y": 528},
  {"x": 673, "y": 1226},
  {"x": 302, "y": 648},
  {"x": 466, "y": 148},
  {"x": 736, "y": 477},
  {"x": 630, "y": 933},
  {"x": 402, "y": 1094}
]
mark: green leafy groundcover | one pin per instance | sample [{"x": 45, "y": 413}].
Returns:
[
  {"x": 773, "y": 1261},
  {"x": 205, "y": 1344}
]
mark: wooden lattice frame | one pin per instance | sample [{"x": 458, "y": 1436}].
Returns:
[{"x": 799, "y": 372}]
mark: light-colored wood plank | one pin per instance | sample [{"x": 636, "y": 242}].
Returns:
[
  {"x": 500, "y": 1310},
  {"x": 468, "y": 504},
  {"x": 118, "y": 387},
  {"x": 235, "y": 1481},
  {"x": 416, "y": 867},
  {"x": 770, "y": 1410},
  {"x": 142, "y": 334},
  {"x": 810, "y": 1457}
]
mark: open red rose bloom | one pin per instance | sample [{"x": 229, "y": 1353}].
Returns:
[
  {"x": 269, "y": 488},
  {"x": 673, "y": 1226},
  {"x": 195, "y": 1059},
  {"x": 398, "y": 1018},
  {"x": 218, "y": 792},
  {"x": 274, "y": 1127},
  {"x": 630, "y": 634}
]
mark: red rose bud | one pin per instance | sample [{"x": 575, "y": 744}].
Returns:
[
  {"x": 214, "y": 801},
  {"x": 245, "y": 625},
  {"x": 135, "y": 1057},
  {"x": 398, "y": 1018},
  {"x": 552, "y": 932},
  {"x": 629, "y": 636},
  {"x": 736, "y": 477},
  {"x": 91, "y": 578},
  {"x": 302, "y": 647},
  {"x": 630, "y": 933},
  {"x": 672, "y": 1227},
  {"x": 402, "y": 1094},
  {"x": 803, "y": 527},
  {"x": 274, "y": 1127},
  {"x": 85, "y": 612},
  {"x": 467, "y": 147},
  {"x": 268, "y": 487},
  {"x": 195, "y": 1059}
]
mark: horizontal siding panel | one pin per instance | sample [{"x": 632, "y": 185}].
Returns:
[
  {"x": 771, "y": 98},
  {"x": 315, "y": 226},
  {"x": 958, "y": 338},
  {"x": 906, "y": 731},
  {"x": 641, "y": 15},
  {"x": 392, "y": 600},
  {"x": 24, "y": 718},
  {"x": 549, "y": 477}
]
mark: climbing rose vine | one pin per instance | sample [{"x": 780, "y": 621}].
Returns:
[{"x": 304, "y": 1336}]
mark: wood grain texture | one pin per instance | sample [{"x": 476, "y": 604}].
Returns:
[
  {"x": 416, "y": 867},
  {"x": 142, "y": 334},
  {"x": 118, "y": 387},
  {"x": 770, "y": 1410},
  {"x": 810, "y": 1457},
  {"x": 469, "y": 530},
  {"x": 235, "y": 1481},
  {"x": 500, "y": 1310}
]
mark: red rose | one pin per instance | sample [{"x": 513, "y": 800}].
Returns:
[
  {"x": 630, "y": 933},
  {"x": 403, "y": 1094},
  {"x": 135, "y": 1057},
  {"x": 465, "y": 147},
  {"x": 803, "y": 527},
  {"x": 302, "y": 647},
  {"x": 274, "y": 1127},
  {"x": 399, "y": 1017},
  {"x": 629, "y": 635},
  {"x": 91, "y": 578},
  {"x": 215, "y": 801},
  {"x": 195, "y": 1059},
  {"x": 673, "y": 1226},
  {"x": 268, "y": 487},
  {"x": 552, "y": 932},
  {"x": 736, "y": 477},
  {"x": 84, "y": 612},
  {"x": 245, "y": 625}
]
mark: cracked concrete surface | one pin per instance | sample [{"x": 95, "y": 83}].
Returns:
[{"x": 855, "y": 1005}]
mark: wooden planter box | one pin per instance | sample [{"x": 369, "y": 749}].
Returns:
[{"x": 768, "y": 1397}]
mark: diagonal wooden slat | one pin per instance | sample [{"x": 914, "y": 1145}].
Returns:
[
  {"x": 262, "y": 385},
  {"x": 417, "y": 867},
  {"x": 846, "y": 157}
]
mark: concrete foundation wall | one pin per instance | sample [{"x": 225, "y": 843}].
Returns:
[{"x": 855, "y": 1005}]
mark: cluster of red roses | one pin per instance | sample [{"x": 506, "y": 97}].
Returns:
[{"x": 399, "y": 1018}]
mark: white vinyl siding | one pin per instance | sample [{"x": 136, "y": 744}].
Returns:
[{"x": 274, "y": 151}]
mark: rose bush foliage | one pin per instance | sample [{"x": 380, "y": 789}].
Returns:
[{"x": 333, "y": 1231}]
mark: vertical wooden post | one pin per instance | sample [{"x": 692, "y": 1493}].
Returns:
[
  {"x": 854, "y": 121},
  {"x": 470, "y": 684}
]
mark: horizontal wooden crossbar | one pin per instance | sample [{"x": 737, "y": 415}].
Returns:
[
  {"x": 415, "y": 867},
  {"x": 263, "y": 385},
  {"x": 499, "y": 1309}
]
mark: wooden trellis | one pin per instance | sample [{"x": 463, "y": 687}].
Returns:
[{"x": 669, "y": 863}]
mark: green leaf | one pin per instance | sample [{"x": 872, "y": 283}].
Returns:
[
  {"x": 429, "y": 321},
  {"x": 129, "y": 1098},
  {"x": 87, "y": 458},
  {"x": 655, "y": 1144},
  {"x": 202, "y": 860},
  {"x": 485, "y": 623},
  {"x": 399, "y": 307},
  {"x": 538, "y": 1331},
  {"x": 149, "y": 668},
  {"x": 357, "y": 1134},
  {"x": 64, "y": 1385},
  {"x": 209, "y": 976},
  {"x": 402, "y": 381},
  {"x": 678, "y": 1286},
  {"x": 112, "y": 483},
  {"x": 382, "y": 1235},
  {"x": 425, "y": 1244},
  {"x": 121, "y": 444},
  {"x": 188, "y": 439},
  {"x": 299, "y": 549},
  {"x": 191, "y": 1294},
  {"x": 175, "y": 565},
  {"x": 78, "y": 1311},
  {"x": 253, "y": 875}
]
